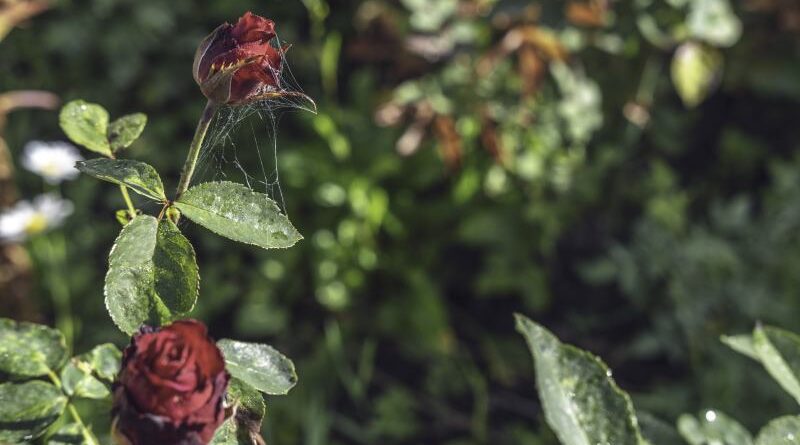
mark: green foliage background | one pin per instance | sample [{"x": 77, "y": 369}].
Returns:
[{"x": 640, "y": 243}]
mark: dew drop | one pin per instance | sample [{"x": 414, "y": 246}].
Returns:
[{"x": 711, "y": 416}]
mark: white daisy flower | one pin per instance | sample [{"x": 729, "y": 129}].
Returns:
[
  {"x": 54, "y": 161},
  {"x": 30, "y": 218}
]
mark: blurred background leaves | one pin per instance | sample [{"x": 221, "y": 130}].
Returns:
[{"x": 624, "y": 171}]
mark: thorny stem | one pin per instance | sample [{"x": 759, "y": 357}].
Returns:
[
  {"x": 194, "y": 149},
  {"x": 128, "y": 202},
  {"x": 87, "y": 434}
]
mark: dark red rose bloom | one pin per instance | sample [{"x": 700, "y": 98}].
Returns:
[
  {"x": 237, "y": 63},
  {"x": 171, "y": 387}
]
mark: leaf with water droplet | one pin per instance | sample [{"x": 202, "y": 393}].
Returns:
[
  {"x": 582, "y": 403},
  {"x": 236, "y": 212},
  {"x": 28, "y": 349},
  {"x": 260, "y": 366},
  {"x": 781, "y": 431},
  {"x": 86, "y": 124},
  {"x": 28, "y": 409},
  {"x": 713, "y": 427},
  {"x": 138, "y": 176},
  {"x": 152, "y": 276}
]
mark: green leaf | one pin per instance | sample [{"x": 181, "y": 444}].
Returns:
[
  {"x": 259, "y": 365},
  {"x": 696, "y": 71},
  {"x": 28, "y": 409},
  {"x": 742, "y": 344},
  {"x": 245, "y": 425},
  {"x": 105, "y": 360},
  {"x": 779, "y": 352},
  {"x": 713, "y": 427},
  {"x": 140, "y": 177},
  {"x": 152, "y": 277},
  {"x": 83, "y": 376},
  {"x": 28, "y": 349},
  {"x": 69, "y": 434},
  {"x": 781, "y": 431},
  {"x": 236, "y": 212},
  {"x": 582, "y": 403},
  {"x": 77, "y": 380},
  {"x": 86, "y": 124},
  {"x": 125, "y": 130}
]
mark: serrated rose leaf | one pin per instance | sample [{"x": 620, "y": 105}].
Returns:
[
  {"x": 30, "y": 350},
  {"x": 236, "y": 212},
  {"x": 582, "y": 403},
  {"x": 260, "y": 366},
  {"x": 86, "y": 124},
  {"x": 28, "y": 409},
  {"x": 152, "y": 277},
  {"x": 138, "y": 176}
]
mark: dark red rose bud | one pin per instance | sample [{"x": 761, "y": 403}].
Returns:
[
  {"x": 171, "y": 387},
  {"x": 237, "y": 64}
]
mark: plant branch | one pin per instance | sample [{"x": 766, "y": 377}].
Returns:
[
  {"x": 194, "y": 149},
  {"x": 87, "y": 434}
]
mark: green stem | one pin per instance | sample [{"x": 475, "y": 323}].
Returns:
[
  {"x": 128, "y": 202},
  {"x": 86, "y": 432},
  {"x": 194, "y": 149}
]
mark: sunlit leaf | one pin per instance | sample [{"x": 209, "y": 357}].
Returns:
[
  {"x": 86, "y": 124},
  {"x": 77, "y": 380},
  {"x": 259, "y": 365},
  {"x": 152, "y": 277},
  {"x": 582, "y": 403},
  {"x": 236, "y": 212},
  {"x": 28, "y": 349},
  {"x": 696, "y": 71},
  {"x": 28, "y": 409},
  {"x": 138, "y": 176},
  {"x": 742, "y": 344}
]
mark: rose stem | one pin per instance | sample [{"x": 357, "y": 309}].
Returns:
[
  {"x": 87, "y": 434},
  {"x": 194, "y": 149},
  {"x": 127, "y": 197}
]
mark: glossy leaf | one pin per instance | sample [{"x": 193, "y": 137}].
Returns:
[
  {"x": 236, "y": 212},
  {"x": 259, "y": 365},
  {"x": 582, "y": 403},
  {"x": 138, "y": 176},
  {"x": 696, "y": 71},
  {"x": 713, "y": 427},
  {"x": 779, "y": 352},
  {"x": 86, "y": 124},
  {"x": 28, "y": 349},
  {"x": 152, "y": 277},
  {"x": 781, "y": 431},
  {"x": 28, "y": 409},
  {"x": 125, "y": 130}
]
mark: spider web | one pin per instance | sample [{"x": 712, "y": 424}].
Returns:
[{"x": 242, "y": 143}]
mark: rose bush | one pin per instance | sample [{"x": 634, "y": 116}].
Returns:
[{"x": 171, "y": 387}]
